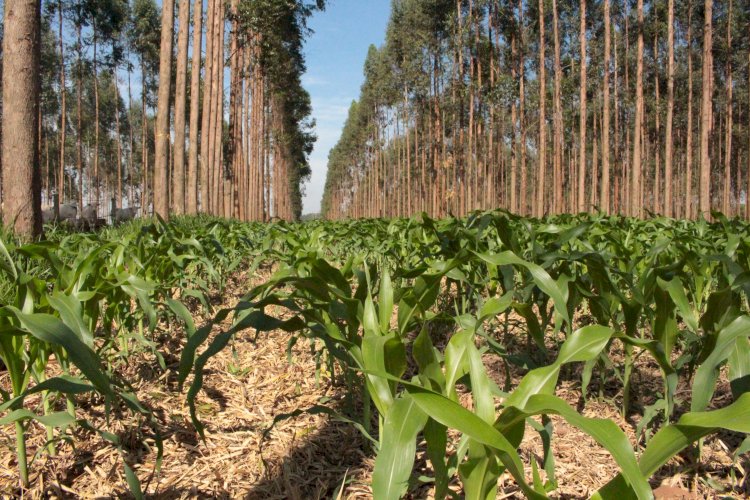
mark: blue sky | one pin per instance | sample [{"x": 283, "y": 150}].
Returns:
[{"x": 335, "y": 55}]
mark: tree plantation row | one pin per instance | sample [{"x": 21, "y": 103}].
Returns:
[
  {"x": 118, "y": 100},
  {"x": 550, "y": 106}
]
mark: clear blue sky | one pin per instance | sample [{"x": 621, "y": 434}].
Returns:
[{"x": 335, "y": 56}]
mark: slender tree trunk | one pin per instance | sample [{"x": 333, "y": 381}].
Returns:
[
  {"x": 557, "y": 174},
  {"x": 22, "y": 191},
  {"x": 582, "y": 117},
  {"x": 514, "y": 119},
  {"x": 97, "y": 191},
  {"x": 542, "y": 146},
  {"x": 522, "y": 114},
  {"x": 669, "y": 141},
  {"x": 747, "y": 191},
  {"x": 161, "y": 185},
  {"x": 218, "y": 169},
  {"x": 656, "y": 191},
  {"x": 726, "y": 198},
  {"x": 205, "y": 130},
  {"x": 689, "y": 213},
  {"x": 191, "y": 198},
  {"x": 63, "y": 109},
  {"x": 79, "y": 116},
  {"x": 637, "y": 170},
  {"x": 604, "y": 202},
  {"x": 118, "y": 138},
  {"x": 131, "y": 168},
  {"x": 144, "y": 145},
  {"x": 178, "y": 173},
  {"x": 706, "y": 118}
]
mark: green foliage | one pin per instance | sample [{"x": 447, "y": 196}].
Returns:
[
  {"x": 371, "y": 292},
  {"x": 371, "y": 297}
]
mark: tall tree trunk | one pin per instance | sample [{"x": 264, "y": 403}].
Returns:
[
  {"x": 726, "y": 198},
  {"x": 79, "y": 115},
  {"x": 144, "y": 144},
  {"x": 523, "y": 209},
  {"x": 669, "y": 141},
  {"x": 706, "y": 99},
  {"x": 161, "y": 162},
  {"x": 656, "y": 191},
  {"x": 747, "y": 191},
  {"x": 637, "y": 169},
  {"x": 63, "y": 108},
  {"x": 689, "y": 213},
  {"x": 118, "y": 138},
  {"x": 178, "y": 173},
  {"x": 514, "y": 119},
  {"x": 218, "y": 120},
  {"x": 22, "y": 191},
  {"x": 604, "y": 202},
  {"x": 542, "y": 146},
  {"x": 131, "y": 167},
  {"x": 205, "y": 151},
  {"x": 97, "y": 191},
  {"x": 557, "y": 177},
  {"x": 195, "y": 89},
  {"x": 582, "y": 118}
]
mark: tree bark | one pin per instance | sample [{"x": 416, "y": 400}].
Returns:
[
  {"x": 79, "y": 114},
  {"x": 96, "y": 123},
  {"x": 689, "y": 213},
  {"x": 669, "y": 140},
  {"x": 637, "y": 170},
  {"x": 726, "y": 195},
  {"x": 582, "y": 117},
  {"x": 542, "y": 146},
  {"x": 191, "y": 198},
  {"x": 706, "y": 99},
  {"x": 161, "y": 185},
  {"x": 63, "y": 108},
  {"x": 604, "y": 202},
  {"x": 178, "y": 173},
  {"x": 22, "y": 193},
  {"x": 557, "y": 177}
]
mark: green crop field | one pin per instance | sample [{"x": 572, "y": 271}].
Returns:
[{"x": 448, "y": 340}]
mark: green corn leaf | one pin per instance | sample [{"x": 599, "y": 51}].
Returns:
[
  {"x": 707, "y": 374},
  {"x": 672, "y": 439},
  {"x": 455, "y": 416},
  {"x": 395, "y": 461},
  {"x": 61, "y": 419},
  {"x": 385, "y": 300},
  {"x": 179, "y": 309},
  {"x": 6, "y": 262},
  {"x": 70, "y": 312},
  {"x": 583, "y": 345},
  {"x": 677, "y": 292},
  {"x": 542, "y": 279},
  {"x": 50, "y": 329}
]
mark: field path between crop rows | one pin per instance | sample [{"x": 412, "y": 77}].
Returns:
[{"x": 307, "y": 457}]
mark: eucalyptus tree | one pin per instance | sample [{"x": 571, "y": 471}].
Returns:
[
  {"x": 145, "y": 37},
  {"x": 20, "y": 121}
]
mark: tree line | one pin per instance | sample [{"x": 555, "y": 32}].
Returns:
[
  {"x": 178, "y": 108},
  {"x": 545, "y": 106}
]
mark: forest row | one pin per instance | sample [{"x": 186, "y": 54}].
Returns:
[
  {"x": 549, "y": 106},
  {"x": 175, "y": 108}
]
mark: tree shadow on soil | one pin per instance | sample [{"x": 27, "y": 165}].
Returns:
[{"x": 314, "y": 465}]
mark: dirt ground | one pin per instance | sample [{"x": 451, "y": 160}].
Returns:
[{"x": 311, "y": 456}]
